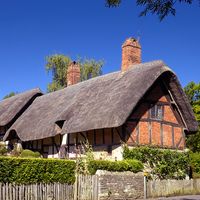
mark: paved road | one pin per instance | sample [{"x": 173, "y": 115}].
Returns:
[{"x": 189, "y": 197}]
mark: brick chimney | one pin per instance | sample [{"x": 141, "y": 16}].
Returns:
[
  {"x": 73, "y": 73},
  {"x": 131, "y": 53}
]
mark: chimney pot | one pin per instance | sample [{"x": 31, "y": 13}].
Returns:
[{"x": 131, "y": 53}]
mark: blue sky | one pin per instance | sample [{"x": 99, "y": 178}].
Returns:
[{"x": 31, "y": 30}]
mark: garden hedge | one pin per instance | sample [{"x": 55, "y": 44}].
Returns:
[
  {"x": 119, "y": 166},
  {"x": 33, "y": 170}
]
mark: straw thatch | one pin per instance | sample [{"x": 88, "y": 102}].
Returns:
[
  {"x": 10, "y": 108},
  {"x": 101, "y": 102}
]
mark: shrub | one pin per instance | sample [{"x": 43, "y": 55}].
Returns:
[
  {"x": 30, "y": 154},
  {"x": 3, "y": 150},
  {"x": 164, "y": 164},
  {"x": 119, "y": 166},
  {"x": 83, "y": 161},
  {"x": 33, "y": 170},
  {"x": 195, "y": 164}
]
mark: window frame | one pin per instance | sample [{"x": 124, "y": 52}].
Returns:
[{"x": 156, "y": 112}]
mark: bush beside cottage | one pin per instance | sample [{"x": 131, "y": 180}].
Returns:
[{"x": 161, "y": 163}]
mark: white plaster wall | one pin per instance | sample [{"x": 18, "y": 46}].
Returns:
[{"x": 101, "y": 153}]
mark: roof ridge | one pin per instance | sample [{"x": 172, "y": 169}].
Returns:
[
  {"x": 21, "y": 93},
  {"x": 150, "y": 63}
]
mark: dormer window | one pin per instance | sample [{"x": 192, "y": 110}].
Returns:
[{"x": 156, "y": 112}]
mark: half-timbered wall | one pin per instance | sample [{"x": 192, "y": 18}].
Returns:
[
  {"x": 156, "y": 121},
  {"x": 48, "y": 147},
  {"x": 105, "y": 142}
]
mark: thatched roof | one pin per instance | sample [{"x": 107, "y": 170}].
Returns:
[
  {"x": 12, "y": 106},
  {"x": 101, "y": 102}
]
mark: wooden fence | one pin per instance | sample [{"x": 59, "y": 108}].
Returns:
[
  {"x": 85, "y": 188},
  {"x": 163, "y": 188}
]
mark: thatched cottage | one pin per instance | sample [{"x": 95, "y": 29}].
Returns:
[{"x": 142, "y": 104}]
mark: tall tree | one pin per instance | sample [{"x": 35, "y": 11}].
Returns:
[
  {"x": 192, "y": 90},
  {"x": 90, "y": 68},
  {"x": 58, "y": 64},
  {"x": 162, "y": 8},
  {"x": 10, "y": 95}
]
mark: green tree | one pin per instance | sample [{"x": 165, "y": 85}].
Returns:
[
  {"x": 162, "y": 8},
  {"x": 58, "y": 64},
  {"x": 192, "y": 90},
  {"x": 90, "y": 68},
  {"x": 10, "y": 95}
]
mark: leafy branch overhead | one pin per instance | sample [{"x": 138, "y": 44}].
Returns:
[
  {"x": 162, "y": 8},
  {"x": 58, "y": 64}
]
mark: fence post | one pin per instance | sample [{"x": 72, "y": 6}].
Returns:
[
  {"x": 76, "y": 187},
  {"x": 145, "y": 184}
]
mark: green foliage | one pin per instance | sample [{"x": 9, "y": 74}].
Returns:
[
  {"x": 3, "y": 150},
  {"x": 83, "y": 161},
  {"x": 90, "y": 68},
  {"x": 11, "y": 94},
  {"x": 87, "y": 164},
  {"x": 192, "y": 90},
  {"x": 29, "y": 154},
  {"x": 118, "y": 166},
  {"x": 58, "y": 64},
  {"x": 162, "y": 8},
  {"x": 164, "y": 164},
  {"x": 33, "y": 170},
  {"x": 195, "y": 164},
  {"x": 193, "y": 142}
]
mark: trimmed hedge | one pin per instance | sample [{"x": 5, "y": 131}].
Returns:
[
  {"x": 164, "y": 164},
  {"x": 119, "y": 166},
  {"x": 33, "y": 170}
]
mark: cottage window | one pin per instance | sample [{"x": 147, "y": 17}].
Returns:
[{"x": 156, "y": 112}]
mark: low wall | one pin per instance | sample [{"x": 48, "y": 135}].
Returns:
[
  {"x": 120, "y": 185},
  {"x": 163, "y": 188}
]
